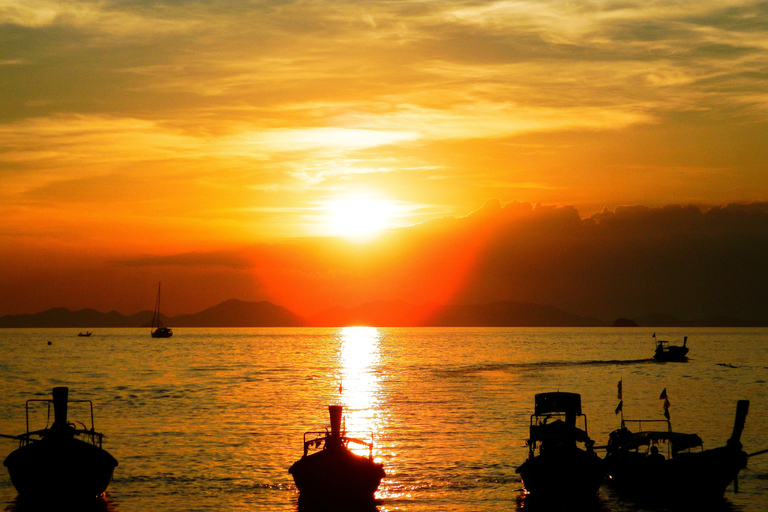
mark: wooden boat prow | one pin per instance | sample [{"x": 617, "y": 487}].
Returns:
[{"x": 335, "y": 474}]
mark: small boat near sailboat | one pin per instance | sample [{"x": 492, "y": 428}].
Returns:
[
  {"x": 670, "y": 353},
  {"x": 663, "y": 466},
  {"x": 60, "y": 462},
  {"x": 158, "y": 330},
  {"x": 334, "y": 474},
  {"x": 561, "y": 465}
]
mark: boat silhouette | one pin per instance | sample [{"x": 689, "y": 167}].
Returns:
[
  {"x": 158, "y": 330},
  {"x": 660, "y": 465},
  {"x": 334, "y": 474},
  {"x": 561, "y": 464},
  {"x": 666, "y": 352},
  {"x": 60, "y": 462}
]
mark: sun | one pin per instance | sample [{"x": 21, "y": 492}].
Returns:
[{"x": 358, "y": 217}]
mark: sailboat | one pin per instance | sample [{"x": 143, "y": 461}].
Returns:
[{"x": 157, "y": 329}]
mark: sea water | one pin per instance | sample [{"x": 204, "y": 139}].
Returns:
[{"x": 211, "y": 419}]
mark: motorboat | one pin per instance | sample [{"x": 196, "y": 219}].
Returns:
[
  {"x": 62, "y": 461},
  {"x": 84, "y": 334},
  {"x": 667, "y": 352},
  {"x": 562, "y": 464},
  {"x": 329, "y": 472},
  {"x": 661, "y": 465}
]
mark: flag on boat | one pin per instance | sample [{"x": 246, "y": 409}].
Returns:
[
  {"x": 666, "y": 402},
  {"x": 654, "y": 335},
  {"x": 619, "y": 397},
  {"x": 620, "y": 407}
]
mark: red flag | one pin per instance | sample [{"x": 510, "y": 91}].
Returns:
[
  {"x": 619, "y": 397},
  {"x": 666, "y": 403}
]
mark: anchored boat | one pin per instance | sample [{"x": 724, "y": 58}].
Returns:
[
  {"x": 60, "y": 461},
  {"x": 333, "y": 473},
  {"x": 158, "y": 330},
  {"x": 561, "y": 464},
  {"x": 667, "y": 466}
]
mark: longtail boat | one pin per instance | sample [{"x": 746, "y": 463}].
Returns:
[
  {"x": 666, "y": 352},
  {"x": 61, "y": 461},
  {"x": 333, "y": 473},
  {"x": 660, "y": 465},
  {"x": 561, "y": 463}
]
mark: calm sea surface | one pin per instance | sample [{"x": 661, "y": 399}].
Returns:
[{"x": 211, "y": 419}]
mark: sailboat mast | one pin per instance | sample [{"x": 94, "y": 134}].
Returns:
[{"x": 156, "y": 315}]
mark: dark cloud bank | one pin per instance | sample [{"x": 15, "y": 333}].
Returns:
[
  {"x": 683, "y": 261},
  {"x": 634, "y": 261}
]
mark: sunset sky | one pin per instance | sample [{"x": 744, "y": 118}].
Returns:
[{"x": 321, "y": 153}]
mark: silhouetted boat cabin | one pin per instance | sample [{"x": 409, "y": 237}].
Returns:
[
  {"x": 334, "y": 474},
  {"x": 60, "y": 462},
  {"x": 667, "y": 466},
  {"x": 561, "y": 464},
  {"x": 666, "y": 352}
]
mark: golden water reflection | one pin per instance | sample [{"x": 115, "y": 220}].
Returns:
[{"x": 359, "y": 383}]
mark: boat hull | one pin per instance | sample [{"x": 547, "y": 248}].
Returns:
[
  {"x": 337, "y": 476},
  {"x": 567, "y": 476},
  {"x": 672, "y": 354},
  {"x": 700, "y": 476},
  {"x": 60, "y": 468}
]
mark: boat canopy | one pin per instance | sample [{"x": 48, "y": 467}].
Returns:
[
  {"x": 678, "y": 440},
  {"x": 547, "y": 403}
]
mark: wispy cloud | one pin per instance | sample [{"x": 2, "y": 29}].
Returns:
[{"x": 266, "y": 101}]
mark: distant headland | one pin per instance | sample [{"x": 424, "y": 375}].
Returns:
[{"x": 237, "y": 313}]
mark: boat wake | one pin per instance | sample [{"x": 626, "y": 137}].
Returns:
[{"x": 490, "y": 367}]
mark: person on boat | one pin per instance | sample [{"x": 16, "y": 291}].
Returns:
[{"x": 655, "y": 457}]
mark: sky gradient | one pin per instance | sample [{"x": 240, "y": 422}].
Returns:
[{"x": 215, "y": 145}]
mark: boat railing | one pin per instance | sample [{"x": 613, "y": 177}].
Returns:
[
  {"x": 539, "y": 422},
  {"x": 318, "y": 438},
  {"x": 88, "y": 434},
  {"x": 640, "y": 423}
]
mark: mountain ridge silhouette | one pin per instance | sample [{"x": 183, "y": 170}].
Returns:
[{"x": 239, "y": 313}]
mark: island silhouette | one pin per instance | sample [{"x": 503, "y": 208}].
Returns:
[{"x": 239, "y": 313}]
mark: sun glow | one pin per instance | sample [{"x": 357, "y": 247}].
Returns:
[{"x": 358, "y": 217}]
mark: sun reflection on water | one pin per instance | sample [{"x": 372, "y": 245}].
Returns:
[{"x": 359, "y": 384}]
